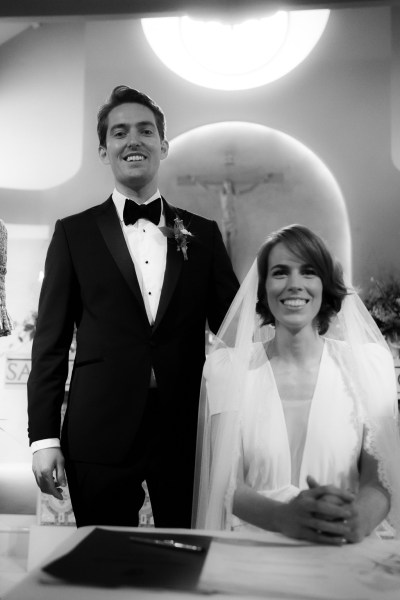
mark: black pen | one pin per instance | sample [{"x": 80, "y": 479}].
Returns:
[{"x": 172, "y": 544}]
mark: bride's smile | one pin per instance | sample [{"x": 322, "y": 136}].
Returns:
[{"x": 294, "y": 289}]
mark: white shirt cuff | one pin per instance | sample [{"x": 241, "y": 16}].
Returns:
[{"x": 47, "y": 443}]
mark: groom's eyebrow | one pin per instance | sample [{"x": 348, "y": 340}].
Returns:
[
  {"x": 118, "y": 126},
  {"x": 145, "y": 124}
]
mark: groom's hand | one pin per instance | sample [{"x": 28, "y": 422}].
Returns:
[{"x": 48, "y": 468}]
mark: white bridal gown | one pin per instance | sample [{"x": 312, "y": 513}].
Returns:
[{"x": 283, "y": 442}]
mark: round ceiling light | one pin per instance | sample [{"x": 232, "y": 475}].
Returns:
[{"x": 235, "y": 56}]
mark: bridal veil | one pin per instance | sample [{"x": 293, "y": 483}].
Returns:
[{"x": 366, "y": 363}]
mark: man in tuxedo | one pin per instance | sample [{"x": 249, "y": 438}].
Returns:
[{"x": 138, "y": 279}]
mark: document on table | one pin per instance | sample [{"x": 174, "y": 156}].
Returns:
[
  {"x": 288, "y": 570},
  {"x": 121, "y": 558}
]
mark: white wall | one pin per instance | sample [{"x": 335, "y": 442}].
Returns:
[{"x": 338, "y": 103}]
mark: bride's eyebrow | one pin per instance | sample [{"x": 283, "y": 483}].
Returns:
[{"x": 279, "y": 266}]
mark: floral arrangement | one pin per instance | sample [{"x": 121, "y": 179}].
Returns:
[
  {"x": 181, "y": 235},
  {"x": 6, "y": 324},
  {"x": 26, "y": 331},
  {"x": 383, "y": 302}
]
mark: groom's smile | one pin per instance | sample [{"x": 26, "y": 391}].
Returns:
[{"x": 133, "y": 147}]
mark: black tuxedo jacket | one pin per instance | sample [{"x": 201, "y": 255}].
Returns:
[{"x": 90, "y": 282}]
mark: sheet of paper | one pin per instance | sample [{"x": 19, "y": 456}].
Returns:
[{"x": 352, "y": 572}]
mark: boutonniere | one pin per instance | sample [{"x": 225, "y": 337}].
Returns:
[{"x": 181, "y": 235}]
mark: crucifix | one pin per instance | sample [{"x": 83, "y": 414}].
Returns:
[{"x": 229, "y": 188}]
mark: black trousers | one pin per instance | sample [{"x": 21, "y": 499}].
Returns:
[{"x": 113, "y": 494}]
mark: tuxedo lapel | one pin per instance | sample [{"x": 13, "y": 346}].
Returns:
[
  {"x": 173, "y": 265},
  {"x": 172, "y": 272},
  {"x": 109, "y": 225}
]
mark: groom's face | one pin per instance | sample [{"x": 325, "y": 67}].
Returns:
[{"x": 133, "y": 146}]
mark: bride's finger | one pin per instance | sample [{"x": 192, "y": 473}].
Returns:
[
  {"x": 331, "y": 490},
  {"x": 311, "y": 482}
]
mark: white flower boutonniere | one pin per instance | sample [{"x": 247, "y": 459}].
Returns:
[{"x": 181, "y": 235}]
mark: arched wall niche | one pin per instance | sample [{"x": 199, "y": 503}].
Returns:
[{"x": 253, "y": 179}]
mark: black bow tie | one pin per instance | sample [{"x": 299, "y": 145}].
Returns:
[{"x": 133, "y": 211}]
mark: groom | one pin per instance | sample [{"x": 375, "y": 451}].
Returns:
[{"x": 138, "y": 278}]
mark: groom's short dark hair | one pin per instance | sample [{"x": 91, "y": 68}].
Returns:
[
  {"x": 308, "y": 246},
  {"x": 122, "y": 94}
]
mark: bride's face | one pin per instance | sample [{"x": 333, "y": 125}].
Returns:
[{"x": 294, "y": 290}]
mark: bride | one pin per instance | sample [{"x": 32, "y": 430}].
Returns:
[{"x": 298, "y": 426}]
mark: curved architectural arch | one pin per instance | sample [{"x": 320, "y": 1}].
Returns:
[{"x": 253, "y": 179}]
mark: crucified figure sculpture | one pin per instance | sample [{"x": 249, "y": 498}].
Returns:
[{"x": 228, "y": 190}]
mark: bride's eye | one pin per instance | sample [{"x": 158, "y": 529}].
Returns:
[
  {"x": 278, "y": 272},
  {"x": 310, "y": 272}
]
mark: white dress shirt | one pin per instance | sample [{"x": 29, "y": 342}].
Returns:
[{"x": 148, "y": 248}]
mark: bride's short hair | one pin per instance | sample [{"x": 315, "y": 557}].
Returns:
[{"x": 308, "y": 246}]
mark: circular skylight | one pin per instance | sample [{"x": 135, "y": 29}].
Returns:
[{"x": 235, "y": 56}]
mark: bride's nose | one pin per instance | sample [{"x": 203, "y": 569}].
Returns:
[{"x": 295, "y": 282}]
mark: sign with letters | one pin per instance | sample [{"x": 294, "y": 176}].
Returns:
[{"x": 18, "y": 368}]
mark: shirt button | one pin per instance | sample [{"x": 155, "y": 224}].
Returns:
[
  {"x": 147, "y": 262},
  {"x": 149, "y": 293}
]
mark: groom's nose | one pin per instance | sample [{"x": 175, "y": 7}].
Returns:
[{"x": 132, "y": 141}]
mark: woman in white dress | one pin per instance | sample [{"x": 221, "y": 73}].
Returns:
[{"x": 299, "y": 421}]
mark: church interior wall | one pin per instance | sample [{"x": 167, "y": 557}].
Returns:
[{"x": 338, "y": 103}]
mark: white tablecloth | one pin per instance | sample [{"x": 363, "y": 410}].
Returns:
[{"x": 253, "y": 566}]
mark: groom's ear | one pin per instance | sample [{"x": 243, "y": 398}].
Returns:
[
  {"x": 164, "y": 149},
  {"x": 103, "y": 155}
]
